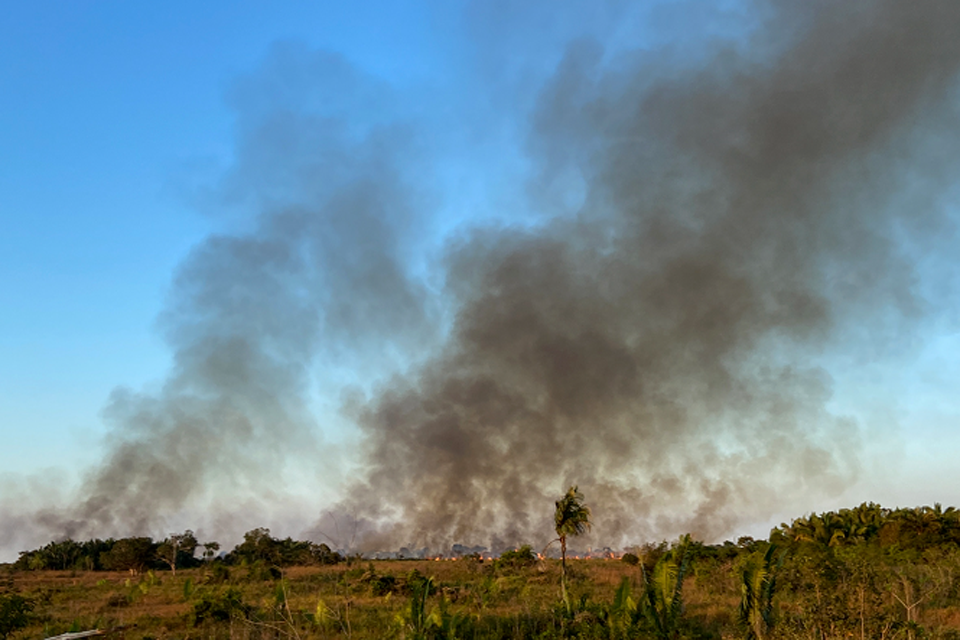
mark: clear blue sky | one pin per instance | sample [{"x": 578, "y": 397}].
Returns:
[{"x": 116, "y": 118}]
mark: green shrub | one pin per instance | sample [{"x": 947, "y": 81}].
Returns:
[
  {"x": 14, "y": 613},
  {"x": 382, "y": 585},
  {"x": 631, "y": 559},
  {"x": 518, "y": 558},
  {"x": 219, "y": 606},
  {"x": 217, "y": 574}
]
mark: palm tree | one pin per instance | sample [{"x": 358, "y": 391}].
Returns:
[
  {"x": 572, "y": 519},
  {"x": 757, "y": 590},
  {"x": 663, "y": 589}
]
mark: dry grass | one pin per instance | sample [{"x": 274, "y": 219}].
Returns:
[
  {"x": 161, "y": 605},
  {"x": 367, "y": 600}
]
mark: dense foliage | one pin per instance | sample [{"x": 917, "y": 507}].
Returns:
[
  {"x": 917, "y": 528},
  {"x": 14, "y": 613}
]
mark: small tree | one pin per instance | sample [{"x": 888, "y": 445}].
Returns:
[
  {"x": 572, "y": 518},
  {"x": 210, "y": 550},
  {"x": 258, "y": 545},
  {"x": 757, "y": 589},
  {"x": 178, "y": 547},
  {"x": 663, "y": 590}
]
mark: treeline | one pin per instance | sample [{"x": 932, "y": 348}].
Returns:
[
  {"x": 869, "y": 523},
  {"x": 865, "y": 572},
  {"x": 916, "y": 528},
  {"x": 183, "y": 550}
]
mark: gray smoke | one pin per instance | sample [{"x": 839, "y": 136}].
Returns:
[
  {"x": 251, "y": 314},
  {"x": 700, "y": 234},
  {"x": 659, "y": 347}
]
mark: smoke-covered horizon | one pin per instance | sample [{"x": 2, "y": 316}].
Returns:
[{"x": 643, "y": 298}]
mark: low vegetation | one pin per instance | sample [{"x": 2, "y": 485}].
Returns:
[{"x": 859, "y": 573}]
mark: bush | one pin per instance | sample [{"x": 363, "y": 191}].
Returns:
[
  {"x": 117, "y": 600},
  {"x": 14, "y": 613},
  {"x": 379, "y": 585},
  {"x": 218, "y": 573},
  {"x": 219, "y": 606},
  {"x": 260, "y": 572},
  {"x": 382, "y": 585},
  {"x": 518, "y": 558},
  {"x": 415, "y": 582},
  {"x": 631, "y": 559},
  {"x": 322, "y": 554}
]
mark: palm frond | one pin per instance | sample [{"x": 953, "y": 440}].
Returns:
[{"x": 572, "y": 517}]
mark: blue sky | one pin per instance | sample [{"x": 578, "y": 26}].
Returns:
[
  {"x": 107, "y": 109},
  {"x": 112, "y": 116},
  {"x": 121, "y": 125}
]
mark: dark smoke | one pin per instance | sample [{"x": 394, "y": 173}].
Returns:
[
  {"x": 659, "y": 347},
  {"x": 702, "y": 235}
]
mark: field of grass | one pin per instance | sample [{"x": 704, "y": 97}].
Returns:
[
  {"x": 821, "y": 592},
  {"x": 363, "y": 600}
]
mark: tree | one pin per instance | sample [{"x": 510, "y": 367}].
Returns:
[
  {"x": 323, "y": 554},
  {"x": 210, "y": 550},
  {"x": 179, "y": 547},
  {"x": 130, "y": 554},
  {"x": 257, "y": 546},
  {"x": 758, "y": 586},
  {"x": 572, "y": 518},
  {"x": 663, "y": 590}
]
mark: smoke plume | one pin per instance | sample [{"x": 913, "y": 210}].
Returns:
[
  {"x": 700, "y": 236},
  {"x": 659, "y": 346},
  {"x": 251, "y": 314}
]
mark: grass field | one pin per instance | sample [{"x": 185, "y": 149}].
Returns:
[
  {"x": 363, "y": 600},
  {"x": 821, "y": 592}
]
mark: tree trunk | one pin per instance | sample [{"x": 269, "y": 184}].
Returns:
[{"x": 563, "y": 566}]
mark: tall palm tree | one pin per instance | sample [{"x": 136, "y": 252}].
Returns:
[{"x": 572, "y": 519}]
